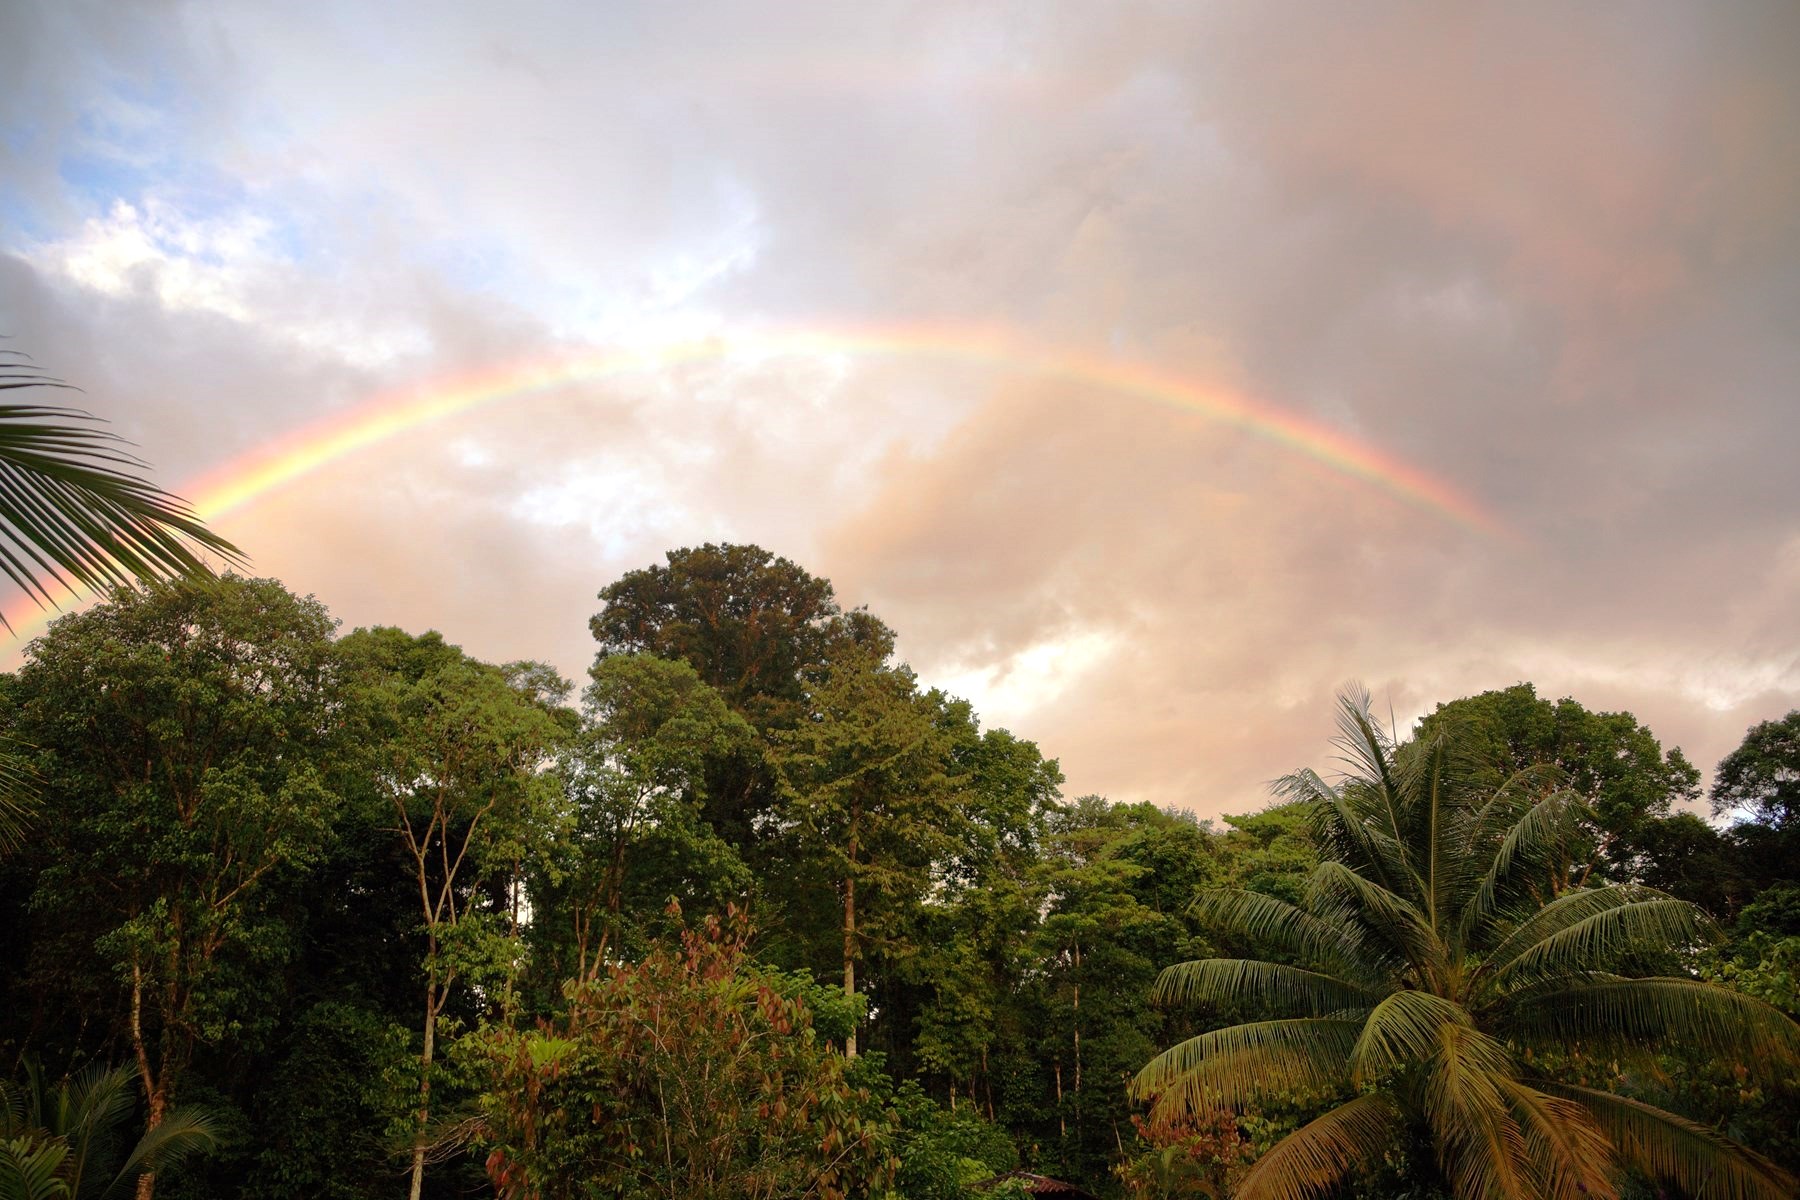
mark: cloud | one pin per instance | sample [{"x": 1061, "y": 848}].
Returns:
[{"x": 1548, "y": 259}]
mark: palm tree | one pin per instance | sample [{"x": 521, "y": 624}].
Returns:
[
  {"x": 1432, "y": 978},
  {"x": 69, "y": 1139}
]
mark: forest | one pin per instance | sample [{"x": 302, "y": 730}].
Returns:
[{"x": 752, "y": 911}]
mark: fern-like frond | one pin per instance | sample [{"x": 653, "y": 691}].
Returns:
[
  {"x": 1606, "y": 1011},
  {"x": 1696, "y": 1159},
  {"x": 1231, "y": 1067},
  {"x": 1400, "y": 1032},
  {"x": 1279, "y": 989},
  {"x": 1282, "y": 926},
  {"x": 1601, "y": 940},
  {"x": 1569, "y": 1155},
  {"x": 1312, "y": 1160}
]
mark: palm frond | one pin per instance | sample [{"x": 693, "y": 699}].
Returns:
[
  {"x": 1613, "y": 1011},
  {"x": 181, "y": 1133},
  {"x": 1565, "y": 911},
  {"x": 1400, "y": 1032},
  {"x": 1602, "y": 939},
  {"x": 1526, "y": 841},
  {"x": 74, "y": 507},
  {"x": 1389, "y": 916},
  {"x": 1274, "y": 987},
  {"x": 1697, "y": 1160},
  {"x": 1313, "y": 1159},
  {"x": 1234, "y": 1066},
  {"x": 1283, "y": 926},
  {"x": 18, "y": 797},
  {"x": 28, "y": 1169},
  {"x": 1569, "y": 1155},
  {"x": 1481, "y": 1148}
]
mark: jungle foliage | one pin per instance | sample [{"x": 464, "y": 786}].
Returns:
[{"x": 756, "y": 912}]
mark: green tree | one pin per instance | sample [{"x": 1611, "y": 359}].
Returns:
[
  {"x": 1758, "y": 785},
  {"x": 1627, "y": 782},
  {"x": 453, "y": 751},
  {"x": 183, "y": 734},
  {"x": 694, "y": 1072},
  {"x": 757, "y": 629},
  {"x": 1434, "y": 989},
  {"x": 633, "y": 779},
  {"x": 867, "y": 802}
]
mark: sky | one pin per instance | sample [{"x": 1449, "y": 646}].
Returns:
[{"x": 1153, "y": 369}]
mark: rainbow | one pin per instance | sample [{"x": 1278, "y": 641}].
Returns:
[{"x": 243, "y": 481}]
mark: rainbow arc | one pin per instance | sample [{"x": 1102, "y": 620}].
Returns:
[{"x": 243, "y": 481}]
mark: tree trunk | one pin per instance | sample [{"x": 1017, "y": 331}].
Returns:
[
  {"x": 418, "y": 1154},
  {"x": 850, "y": 932},
  {"x": 156, "y": 1095}
]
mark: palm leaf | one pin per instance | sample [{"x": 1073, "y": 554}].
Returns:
[
  {"x": 74, "y": 506},
  {"x": 1600, "y": 940},
  {"x": 1569, "y": 1155},
  {"x": 1481, "y": 1148},
  {"x": 1525, "y": 842},
  {"x": 1613, "y": 1011},
  {"x": 1282, "y": 926},
  {"x": 1231, "y": 1067},
  {"x": 1697, "y": 1160},
  {"x": 1272, "y": 986},
  {"x": 1398, "y": 922},
  {"x": 1400, "y": 1032},
  {"x": 182, "y": 1132},
  {"x": 28, "y": 1169},
  {"x": 1567, "y": 910},
  {"x": 1313, "y": 1159}
]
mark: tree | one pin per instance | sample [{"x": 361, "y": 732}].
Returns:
[
  {"x": 1433, "y": 988},
  {"x": 1759, "y": 785},
  {"x": 633, "y": 781},
  {"x": 72, "y": 500},
  {"x": 183, "y": 734},
  {"x": 867, "y": 800},
  {"x": 757, "y": 629},
  {"x": 694, "y": 1072},
  {"x": 1626, "y": 781},
  {"x": 453, "y": 749}
]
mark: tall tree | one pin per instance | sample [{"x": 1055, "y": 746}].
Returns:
[
  {"x": 1434, "y": 988},
  {"x": 1758, "y": 784},
  {"x": 1619, "y": 768},
  {"x": 757, "y": 628},
  {"x": 633, "y": 778},
  {"x": 454, "y": 750},
  {"x": 183, "y": 734},
  {"x": 867, "y": 800}
]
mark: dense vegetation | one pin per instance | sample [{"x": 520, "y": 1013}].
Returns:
[{"x": 758, "y": 914}]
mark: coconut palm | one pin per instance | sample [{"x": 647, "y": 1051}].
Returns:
[{"x": 1433, "y": 974}]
